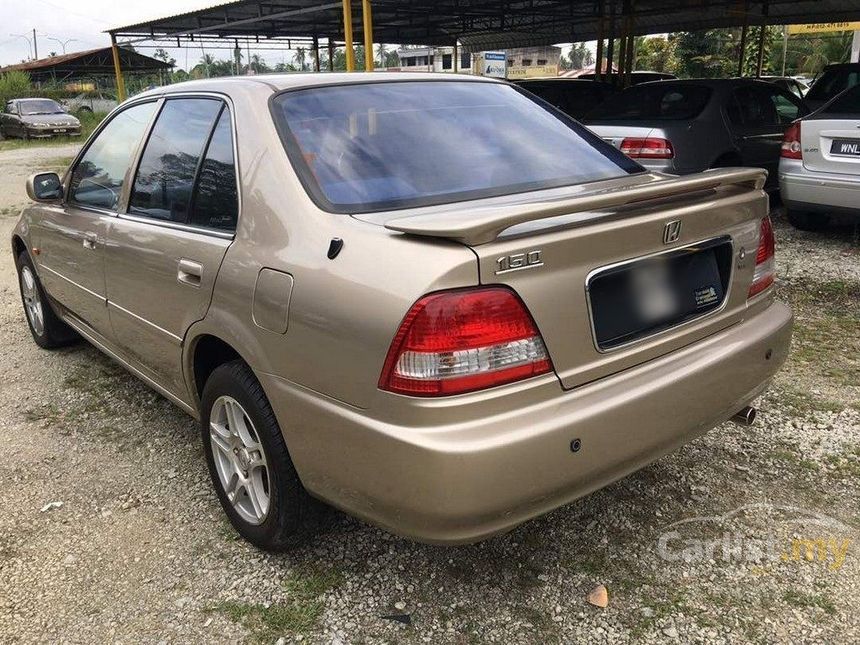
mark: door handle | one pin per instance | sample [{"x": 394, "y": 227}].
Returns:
[{"x": 190, "y": 272}]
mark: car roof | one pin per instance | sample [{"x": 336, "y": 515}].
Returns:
[
  {"x": 295, "y": 80},
  {"x": 707, "y": 82}
]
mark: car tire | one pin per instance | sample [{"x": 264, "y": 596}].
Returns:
[
  {"x": 49, "y": 332},
  {"x": 267, "y": 504},
  {"x": 806, "y": 221}
]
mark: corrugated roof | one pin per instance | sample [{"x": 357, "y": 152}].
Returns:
[
  {"x": 480, "y": 24},
  {"x": 89, "y": 62}
]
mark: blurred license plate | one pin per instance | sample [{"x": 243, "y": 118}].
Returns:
[
  {"x": 845, "y": 147},
  {"x": 58, "y": 130},
  {"x": 639, "y": 298}
]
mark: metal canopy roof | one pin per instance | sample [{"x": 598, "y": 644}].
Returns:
[
  {"x": 88, "y": 63},
  {"x": 478, "y": 24}
]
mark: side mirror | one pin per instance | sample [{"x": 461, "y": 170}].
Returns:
[{"x": 45, "y": 187}]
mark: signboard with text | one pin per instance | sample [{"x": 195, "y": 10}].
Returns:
[
  {"x": 495, "y": 64},
  {"x": 822, "y": 28}
]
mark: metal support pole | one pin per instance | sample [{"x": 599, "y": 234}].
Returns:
[
  {"x": 742, "y": 54},
  {"x": 316, "y": 53},
  {"x": 330, "y": 55},
  {"x": 601, "y": 28},
  {"x": 760, "y": 62},
  {"x": 36, "y": 47},
  {"x": 347, "y": 35},
  {"x": 610, "y": 46},
  {"x": 367, "y": 18},
  {"x": 117, "y": 68},
  {"x": 456, "y": 58},
  {"x": 631, "y": 51}
]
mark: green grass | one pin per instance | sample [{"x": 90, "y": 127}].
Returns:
[
  {"x": 299, "y": 614},
  {"x": 89, "y": 122},
  {"x": 803, "y": 600}
]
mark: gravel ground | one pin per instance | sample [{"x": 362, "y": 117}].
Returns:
[{"x": 109, "y": 529}]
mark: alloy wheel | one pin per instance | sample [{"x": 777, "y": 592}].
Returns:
[
  {"x": 240, "y": 460},
  {"x": 32, "y": 301}
]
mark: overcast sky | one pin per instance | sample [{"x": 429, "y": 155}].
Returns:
[
  {"x": 83, "y": 20},
  {"x": 86, "y": 20}
]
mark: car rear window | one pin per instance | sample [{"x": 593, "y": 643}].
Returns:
[
  {"x": 378, "y": 146},
  {"x": 665, "y": 102},
  {"x": 847, "y": 103},
  {"x": 833, "y": 81}
]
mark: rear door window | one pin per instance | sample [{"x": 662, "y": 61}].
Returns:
[
  {"x": 98, "y": 177},
  {"x": 377, "y": 146},
  {"x": 752, "y": 107},
  {"x": 786, "y": 106},
  {"x": 216, "y": 199},
  {"x": 165, "y": 177},
  {"x": 662, "y": 102}
]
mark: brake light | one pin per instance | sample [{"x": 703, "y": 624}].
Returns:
[
  {"x": 791, "y": 142},
  {"x": 459, "y": 341},
  {"x": 647, "y": 148},
  {"x": 765, "y": 264}
]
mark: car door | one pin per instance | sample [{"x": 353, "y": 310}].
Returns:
[
  {"x": 165, "y": 250},
  {"x": 11, "y": 120},
  {"x": 755, "y": 128},
  {"x": 71, "y": 236}
]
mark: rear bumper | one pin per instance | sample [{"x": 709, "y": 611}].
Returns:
[
  {"x": 463, "y": 481},
  {"x": 818, "y": 191}
]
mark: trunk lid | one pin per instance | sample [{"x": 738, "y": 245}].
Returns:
[
  {"x": 551, "y": 251},
  {"x": 831, "y": 145}
]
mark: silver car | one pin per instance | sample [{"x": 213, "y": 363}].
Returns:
[
  {"x": 819, "y": 170},
  {"x": 682, "y": 127},
  {"x": 37, "y": 118}
]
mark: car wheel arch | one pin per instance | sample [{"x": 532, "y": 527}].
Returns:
[{"x": 18, "y": 246}]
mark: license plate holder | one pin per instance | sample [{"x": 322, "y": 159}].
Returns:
[
  {"x": 639, "y": 298},
  {"x": 845, "y": 147}
]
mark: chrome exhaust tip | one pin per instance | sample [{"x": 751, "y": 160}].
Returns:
[{"x": 745, "y": 416}]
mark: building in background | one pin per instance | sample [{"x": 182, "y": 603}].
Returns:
[
  {"x": 533, "y": 62},
  {"x": 432, "y": 59}
]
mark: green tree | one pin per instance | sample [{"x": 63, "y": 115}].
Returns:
[{"x": 655, "y": 54}]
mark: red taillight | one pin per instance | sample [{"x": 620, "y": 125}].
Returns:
[
  {"x": 765, "y": 264},
  {"x": 647, "y": 148},
  {"x": 791, "y": 142},
  {"x": 458, "y": 341}
]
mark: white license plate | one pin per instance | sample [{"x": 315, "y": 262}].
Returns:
[{"x": 59, "y": 130}]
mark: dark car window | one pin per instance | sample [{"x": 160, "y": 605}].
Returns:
[
  {"x": 752, "y": 107},
  {"x": 787, "y": 109},
  {"x": 833, "y": 81},
  {"x": 98, "y": 177},
  {"x": 847, "y": 103},
  {"x": 574, "y": 99},
  {"x": 376, "y": 146},
  {"x": 168, "y": 166},
  {"x": 669, "y": 102},
  {"x": 215, "y": 203}
]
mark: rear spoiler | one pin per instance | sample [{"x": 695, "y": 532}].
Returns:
[{"x": 484, "y": 224}]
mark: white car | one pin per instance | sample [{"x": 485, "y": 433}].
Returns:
[
  {"x": 92, "y": 102},
  {"x": 819, "y": 168}
]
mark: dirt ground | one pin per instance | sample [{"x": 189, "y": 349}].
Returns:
[{"x": 109, "y": 529}]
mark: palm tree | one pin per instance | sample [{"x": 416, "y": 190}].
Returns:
[
  {"x": 301, "y": 56},
  {"x": 382, "y": 50}
]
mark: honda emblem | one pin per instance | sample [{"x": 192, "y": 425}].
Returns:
[{"x": 672, "y": 231}]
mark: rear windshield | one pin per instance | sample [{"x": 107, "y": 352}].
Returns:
[
  {"x": 847, "y": 103},
  {"x": 377, "y": 146},
  {"x": 669, "y": 102},
  {"x": 833, "y": 81}
]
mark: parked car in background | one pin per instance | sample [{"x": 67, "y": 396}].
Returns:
[
  {"x": 687, "y": 126},
  {"x": 438, "y": 305},
  {"x": 100, "y": 102},
  {"x": 788, "y": 83},
  {"x": 832, "y": 81},
  {"x": 37, "y": 118},
  {"x": 575, "y": 97},
  {"x": 637, "y": 77},
  {"x": 819, "y": 171}
]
